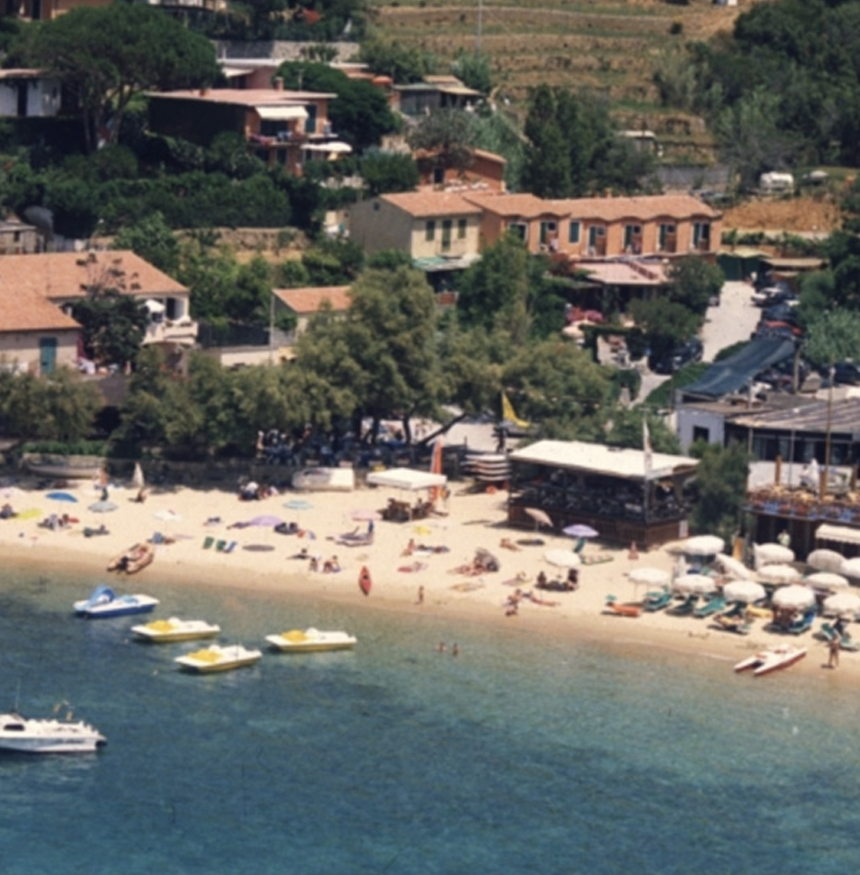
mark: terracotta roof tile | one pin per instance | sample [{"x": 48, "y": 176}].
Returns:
[
  {"x": 421, "y": 204},
  {"x": 520, "y": 206},
  {"x": 59, "y": 276},
  {"x": 29, "y": 312},
  {"x": 310, "y": 300},
  {"x": 647, "y": 207},
  {"x": 249, "y": 97}
]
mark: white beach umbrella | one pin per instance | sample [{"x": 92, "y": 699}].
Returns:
[
  {"x": 697, "y": 584},
  {"x": 541, "y": 517},
  {"x": 826, "y": 580},
  {"x": 779, "y": 573},
  {"x": 562, "y": 558},
  {"x": 746, "y": 591},
  {"x": 649, "y": 576},
  {"x": 733, "y": 568},
  {"x": 770, "y": 554},
  {"x": 795, "y": 597},
  {"x": 703, "y": 545},
  {"x": 850, "y": 567},
  {"x": 825, "y": 560},
  {"x": 842, "y": 603}
]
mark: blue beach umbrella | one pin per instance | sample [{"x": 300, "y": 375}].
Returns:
[
  {"x": 580, "y": 531},
  {"x": 62, "y": 496}
]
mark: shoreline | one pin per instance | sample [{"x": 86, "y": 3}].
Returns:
[{"x": 474, "y": 520}]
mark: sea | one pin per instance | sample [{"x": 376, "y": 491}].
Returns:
[{"x": 517, "y": 755}]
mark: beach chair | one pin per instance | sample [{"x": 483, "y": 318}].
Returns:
[
  {"x": 713, "y": 605},
  {"x": 804, "y": 624},
  {"x": 730, "y": 622},
  {"x": 230, "y": 547},
  {"x": 208, "y": 541},
  {"x": 684, "y": 608},
  {"x": 656, "y": 601}
]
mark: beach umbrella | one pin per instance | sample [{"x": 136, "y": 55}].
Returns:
[
  {"x": 826, "y": 580},
  {"x": 779, "y": 573},
  {"x": 746, "y": 591},
  {"x": 562, "y": 558},
  {"x": 540, "y": 517},
  {"x": 694, "y": 584},
  {"x": 62, "y": 496},
  {"x": 265, "y": 520},
  {"x": 703, "y": 545},
  {"x": 580, "y": 531},
  {"x": 103, "y": 507},
  {"x": 842, "y": 603},
  {"x": 733, "y": 567},
  {"x": 298, "y": 504},
  {"x": 794, "y": 597},
  {"x": 850, "y": 567},
  {"x": 825, "y": 560},
  {"x": 771, "y": 554},
  {"x": 649, "y": 576},
  {"x": 366, "y": 515},
  {"x": 10, "y": 491}
]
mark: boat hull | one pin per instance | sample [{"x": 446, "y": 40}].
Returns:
[
  {"x": 188, "y": 631},
  {"x": 776, "y": 664},
  {"x": 215, "y": 659},
  {"x": 213, "y": 668},
  {"x": 286, "y": 646},
  {"x": 40, "y": 736},
  {"x": 117, "y": 608}
]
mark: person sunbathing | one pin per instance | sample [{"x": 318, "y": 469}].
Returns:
[{"x": 508, "y": 544}]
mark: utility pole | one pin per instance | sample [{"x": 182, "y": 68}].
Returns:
[{"x": 480, "y": 25}]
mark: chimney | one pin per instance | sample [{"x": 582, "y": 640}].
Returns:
[{"x": 279, "y": 83}]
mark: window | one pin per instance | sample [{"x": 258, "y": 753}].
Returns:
[
  {"x": 633, "y": 239},
  {"x": 518, "y": 229},
  {"x": 666, "y": 237},
  {"x": 597, "y": 239},
  {"x": 547, "y": 231},
  {"x": 430, "y": 229},
  {"x": 447, "y": 224},
  {"x": 461, "y": 229},
  {"x": 700, "y": 433},
  {"x": 573, "y": 232},
  {"x": 701, "y": 235},
  {"x": 311, "y": 120}
]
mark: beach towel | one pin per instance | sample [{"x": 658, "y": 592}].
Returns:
[{"x": 595, "y": 559}]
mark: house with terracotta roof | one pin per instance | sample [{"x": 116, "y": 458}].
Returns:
[
  {"x": 306, "y": 302},
  {"x": 485, "y": 171},
  {"x": 604, "y": 227},
  {"x": 281, "y": 127},
  {"x": 438, "y": 229},
  {"x": 38, "y": 292},
  {"x": 46, "y": 10}
]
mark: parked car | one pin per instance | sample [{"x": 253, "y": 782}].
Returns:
[
  {"x": 769, "y": 296},
  {"x": 844, "y": 374},
  {"x": 784, "y": 312},
  {"x": 683, "y": 354}
]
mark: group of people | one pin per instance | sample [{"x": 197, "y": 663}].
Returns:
[{"x": 329, "y": 566}]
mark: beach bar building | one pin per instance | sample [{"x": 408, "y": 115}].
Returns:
[{"x": 626, "y": 495}]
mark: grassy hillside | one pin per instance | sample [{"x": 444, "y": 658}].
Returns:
[{"x": 611, "y": 45}]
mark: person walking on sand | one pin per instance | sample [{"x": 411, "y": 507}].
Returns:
[
  {"x": 833, "y": 652},
  {"x": 420, "y": 596}
]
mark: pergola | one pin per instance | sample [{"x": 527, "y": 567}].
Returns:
[{"x": 627, "y": 495}]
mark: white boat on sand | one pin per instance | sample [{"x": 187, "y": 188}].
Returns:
[
  {"x": 772, "y": 659},
  {"x": 311, "y": 641},
  {"x": 47, "y": 735},
  {"x": 217, "y": 657},
  {"x": 174, "y": 629}
]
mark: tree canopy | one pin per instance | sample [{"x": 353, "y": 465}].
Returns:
[{"x": 109, "y": 55}]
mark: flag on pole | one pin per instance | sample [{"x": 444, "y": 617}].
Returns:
[{"x": 646, "y": 445}]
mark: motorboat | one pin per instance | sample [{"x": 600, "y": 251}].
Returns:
[
  {"x": 174, "y": 629},
  {"x": 218, "y": 657},
  {"x": 47, "y": 735},
  {"x": 104, "y": 602},
  {"x": 772, "y": 659},
  {"x": 311, "y": 641}
]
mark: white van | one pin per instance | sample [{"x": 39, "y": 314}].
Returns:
[{"x": 776, "y": 183}]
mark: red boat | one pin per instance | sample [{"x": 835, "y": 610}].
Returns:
[{"x": 364, "y": 581}]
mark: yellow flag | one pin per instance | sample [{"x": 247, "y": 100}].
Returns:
[{"x": 509, "y": 414}]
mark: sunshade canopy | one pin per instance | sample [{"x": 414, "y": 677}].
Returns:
[{"x": 406, "y": 478}]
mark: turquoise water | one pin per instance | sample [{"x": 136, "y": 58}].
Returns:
[{"x": 515, "y": 756}]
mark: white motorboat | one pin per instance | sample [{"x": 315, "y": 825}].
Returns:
[
  {"x": 104, "y": 602},
  {"x": 47, "y": 735},
  {"x": 772, "y": 659},
  {"x": 217, "y": 657},
  {"x": 311, "y": 641},
  {"x": 174, "y": 629}
]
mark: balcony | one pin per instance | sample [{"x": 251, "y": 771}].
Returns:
[{"x": 182, "y": 331}]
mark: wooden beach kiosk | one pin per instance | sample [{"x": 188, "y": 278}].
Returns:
[{"x": 626, "y": 495}]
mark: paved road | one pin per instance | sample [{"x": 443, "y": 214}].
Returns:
[{"x": 734, "y": 320}]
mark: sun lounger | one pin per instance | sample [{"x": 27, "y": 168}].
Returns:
[
  {"x": 208, "y": 541},
  {"x": 230, "y": 547},
  {"x": 712, "y": 606},
  {"x": 684, "y": 608},
  {"x": 656, "y": 601},
  {"x": 828, "y": 633},
  {"x": 732, "y": 623}
]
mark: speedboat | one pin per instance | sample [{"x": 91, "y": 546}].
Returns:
[
  {"x": 104, "y": 602},
  {"x": 174, "y": 629},
  {"x": 25, "y": 735},
  {"x": 311, "y": 641},
  {"x": 217, "y": 657},
  {"x": 772, "y": 659}
]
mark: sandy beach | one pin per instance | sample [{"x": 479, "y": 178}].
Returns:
[{"x": 188, "y": 519}]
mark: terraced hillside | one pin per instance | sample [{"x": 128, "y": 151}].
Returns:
[{"x": 611, "y": 45}]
